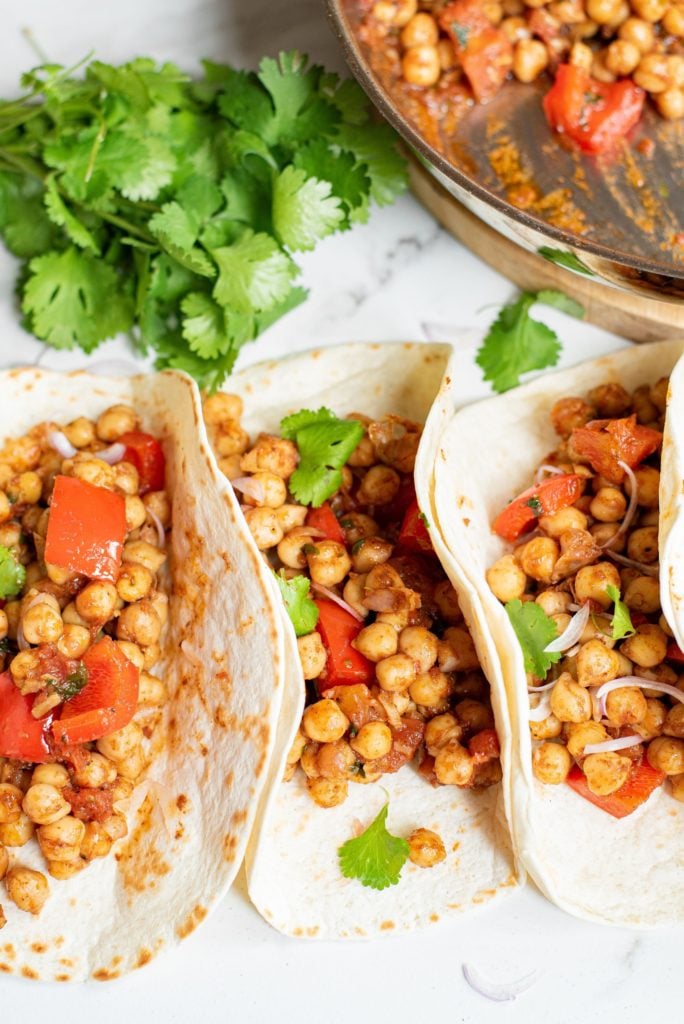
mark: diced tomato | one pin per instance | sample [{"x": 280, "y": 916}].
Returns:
[
  {"x": 605, "y": 442},
  {"x": 485, "y": 52},
  {"x": 89, "y": 804},
  {"x": 674, "y": 651},
  {"x": 426, "y": 768},
  {"x": 146, "y": 454},
  {"x": 345, "y": 664},
  {"x": 106, "y": 703},
  {"x": 325, "y": 520},
  {"x": 593, "y": 114},
  {"x": 405, "y": 743},
  {"x": 641, "y": 782},
  {"x": 484, "y": 746},
  {"x": 86, "y": 529},
  {"x": 22, "y": 736},
  {"x": 543, "y": 499},
  {"x": 413, "y": 535}
]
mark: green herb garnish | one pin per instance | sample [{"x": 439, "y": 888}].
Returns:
[
  {"x": 462, "y": 33},
  {"x": 70, "y": 686},
  {"x": 12, "y": 574},
  {"x": 298, "y": 605},
  {"x": 564, "y": 259},
  {"x": 535, "y": 504},
  {"x": 375, "y": 857},
  {"x": 424, "y": 520},
  {"x": 621, "y": 623},
  {"x": 534, "y": 630},
  {"x": 325, "y": 443}
]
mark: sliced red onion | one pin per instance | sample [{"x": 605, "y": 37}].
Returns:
[
  {"x": 332, "y": 596},
  {"x": 647, "y": 570},
  {"x": 547, "y": 469},
  {"x": 161, "y": 532},
  {"x": 21, "y": 642},
  {"x": 636, "y": 681},
  {"x": 61, "y": 444},
  {"x": 573, "y": 651},
  {"x": 541, "y": 689},
  {"x": 631, "y": 508},
  {"x": 113, "y": 454},
  {"x": 248, "y": 485},
  {"x": 542, "y": 710},
  {"x": 621, "y": 743},
  {"x": 192, "y": 657},
  {"x": 572, "y": 632},
  {"x": 499, "y": 992}
]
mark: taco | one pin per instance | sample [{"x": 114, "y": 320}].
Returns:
[
  {"x": 555, "y": 526},
  {"x": 142, "y": 673},
  {"x": 386, "y": 702}
]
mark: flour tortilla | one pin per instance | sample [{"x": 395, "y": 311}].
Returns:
[
  {"x": 629, "y": 871},
  {"x": 292, "y": 865},
  {"x": 188, "y": 825}
]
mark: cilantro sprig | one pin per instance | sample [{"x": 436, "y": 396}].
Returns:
[
  {"x": 621, "y": 623},
  {"x": 142, "y": 201},
  {"x": 516, "y": 343},
  {"x": 376, "y": 857},
  {"x": 325, "y": 443},
  {"x": 534, "y": 630},
  {"x": 12, "y": 574},
  {"x": 72, "y": 685},
  {"x": 298, "y": 605}
]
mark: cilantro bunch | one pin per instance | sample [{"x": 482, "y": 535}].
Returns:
[{"x": 142, "y": 201}]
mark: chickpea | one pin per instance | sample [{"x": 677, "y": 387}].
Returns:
[
  {"x": 581, "y": 734},
  {"x": 115, "y": 421},
  {"x": 597, "y": 664},
  {"x": 446, "y": 600},
  {"x": 538, "y": 557},
  {"x": 653, "y": 723},
  {"x": 642, "y": 544},
  {"x": 291, "y": 548},
  {"x": 570, "y": 518},
  {"x": 370, "y": 552},
  {"x": 354, "y": 593},
  {"x": 647, "y": 647},
  {"x": 335, "y": 760},
  {"x": 515, "y": 29},
  {"x": 10, "y": 803},
  {"x": 548, "y": 729},
  {"x": 421, "y": 645},
  {"x": 648, "y": 486},
  {"x": 62, "y": 839},
  {"x": 96, "y": 841},
  {"x": 643, "y": 595},
  {"x": 231, "y": 441},
  {"x": 670, "y": 104},
  {"x": 51, "y": 774},
  {"x": 135, "y": 582},
  {"x": 80, "y": 432},
  {"x": 274, "y": 490},
  {"x": 677, "y": 789},
  {"x": 312, "y": 655},
  {"x": 27, "y": 889},
  {"x": 373, "y": 740},
  {"x": 97, "y": 601},
  {"x": 379, "y": 486},
  {"x": 622, "y": 57},
  {"x": 606, "y": 772},
  {"x": 608, "y": 505},
  {"x": 530, "y": 58},
  {"x": 638, "y": 32},
  {"x": 327, "y": 792},
  {"x": 603, "y": 12},
  {"x": 152, "y": 691},
  {"x": 126, "y": 478},
  {"x": 324, "y": 722},
  {"x": 74, "y": 641},
  {"x": 122, "y": 743},
  {"x": 45, "y": 804},
  {"x": 271, "y": 455},
  {"x": 473, "y": 715},
  {"x": 17, "y": 833},
  {"x": 430, "y": 689},
  {"x": 95, "y": 772},
  {"x": 142, "y": 553},
  {"x": 421, "y": 30},
  {"x": 440, "y": 730},
  {"x": 139, "y": 623},
  {"x": 396, "y": 673},
  {"x": 135, "y": 512},
  {"x": 425, "y": 848},
  {"x": 626, "y": 706},
  {"x": 554, "y": 602},
  {"x": 328, "y": 562},
  {"x": 133, "y": 653},
  {"x": 309, "y": 760},
  {"x": 421, "y": 66},
  {"x": 377, "y": 641},
  {"x": 591, "y": 582},
  {"x": 666, "y": 754},
  {"x": 264, "y": 526},
  {"x": 92, "y": 471},
  {"x": 395, "y": 12},
  {"x": 674, "y": 722},
  {"x": 673, "y": 23},
  {"x": 652, "y": 75},
  {"x": 506, "y": 579},
  {"x": 453, "y": 765},
  {"x": 25, "y": 489},
  {"x": 551, "y": 763},
  {"x": 132, "y": 767},
  {"x": 570, "y": 702},
  {"x": 42, "y": 624},
  {"x": 447, "y": 55},
  {"x": 219, "y": 407},
  {"x": 115, "y": 826}
]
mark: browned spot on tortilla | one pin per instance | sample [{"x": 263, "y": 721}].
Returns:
[
  {"x": 311, "y": 932},
  {"x": 66, "y": 961},
  {"x": 28, "y": 972},
  {"x": 221, "y": 717},
  {"x": 238, "y": 818},
  {"x": 455, "y": 846},
  {"x": 204, "y": 749},
  {"x": 434, "y": 917},
  {"x": 194, "y": 919},
  {"x": 387, "y": 926},
  {"x": 182, "y": 802},
  {"x": 104, "y": 974},
  {"x": 298, "y": 932},
  {"x": 466, "y": 522},
  {"x": 245, "y": 624},
  {"x": 229, "y": 846},
  {"x": 59, "y": 941},
  {"x": 5, "y": 968},
  {"x": 460, "y": 501},
  {"x": 144, "y": 957},
  {"x": 179, "y": 833},
  {"x": 453, "y": 906},
  {"x": 230, "y": 779},
  {"x": 447, "y": 381},
  {"x": 140, "y": 861},
  {"x": 359, "y": 931},
  {"x": 38, "y": 947},
  {"x": 223, "y": 555},
  {"x": 9, "y": 950},
  {"x": 62, "y": 977},
  {"x": 511, "y": 880}
]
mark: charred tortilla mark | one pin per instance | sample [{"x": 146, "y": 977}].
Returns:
[
  {"x": 144, "y": 957},
  {"x": 104, "y": 974},
  {"x": 9, "y": 950},
  {"x": 194, "y": 919},
  {"x": 5, "y": 968},
  {"x": 182, "y": 802},
  {"x": 229, "y": 847},
  {"x": 62, "y": 977},
  {"x": 230, "y": 778},
  {"x": 39, "y": 947},
  {"x": 387, "y": 926},
  {"x": 434, "y": 917},
  {"x": 28, "y": 972}
]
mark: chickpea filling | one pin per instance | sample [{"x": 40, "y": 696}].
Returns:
[
  {"x": 391, "y": 669},
  {"x": 608, "y": 719},
  {"x": 83, "y": 521}
]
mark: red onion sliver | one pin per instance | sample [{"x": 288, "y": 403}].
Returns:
[
  {"x": 248, "y": 485},
  {"x": 548, "y": 469},
  {"x": 571, "y": 633},
  {"x": 113, "y": 454},
  {"x": 542, "y": 710},
  {"x": 161, "y": 532},
  {"x": 61, "y": 444},
  {"x": 572, "y": 651},
  {"x": 332, "y": 596},
  {"x": 499, "y": 992},
  {"x": 621, "y": 743},
  {"x": 636, "y": 681},
  {"x": 647, "y": 570},
  {"x": 541, "y": 689}
]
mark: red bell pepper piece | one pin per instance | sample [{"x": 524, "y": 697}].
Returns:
[
  {"x": 594, "y": 114},
  {"x": 485, "y": 52},
  {"x": 146, "y": 454},
  {"x": 106, "y": 703},
  {"x": 641, "y": 782},
  {"x": 414, "y": 536},
  {"x": 324, "y": 519},
  {"x": 22, "y": 736},
  {"x": 345, "y": 664},
  {"x": 86, "y": 529},
  {"x": 605, "y": 442},
  {"x": 484, "y": 746},
  {"x": 543, "y": 499},
  {"x": 674, "y": 651}
]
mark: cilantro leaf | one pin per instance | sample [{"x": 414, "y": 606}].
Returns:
[
  {"x": 376, "y": 857},
  {"x": 516, "y": 344},
  {"x": 564, "y": 259},
  {"x": 298, "y": 605},
  {"x": 325, "y": 443},
  {"x": 304, "y": 211},
  {"x": 72, "y": 685},
  {"x": 204, "y": 325},
  {"x": 534, "y": 630},
  {"x": 12, "y": 574},
  {"x": 621, "y": 623},
  {"x": 254, "y": 273},
  {"x": 60, "y": 214},
  {"x": 559, "y": 300},
  {"x": 375, "y": 146}
]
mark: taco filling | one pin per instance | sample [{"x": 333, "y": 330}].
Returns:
[
  {"x": 581, "y": 589},
  {"x": 391, "y": 669},
  {"x": 83, "y": 521}
]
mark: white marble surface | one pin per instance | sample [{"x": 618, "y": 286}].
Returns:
[{"x": 386, "y": 280}]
